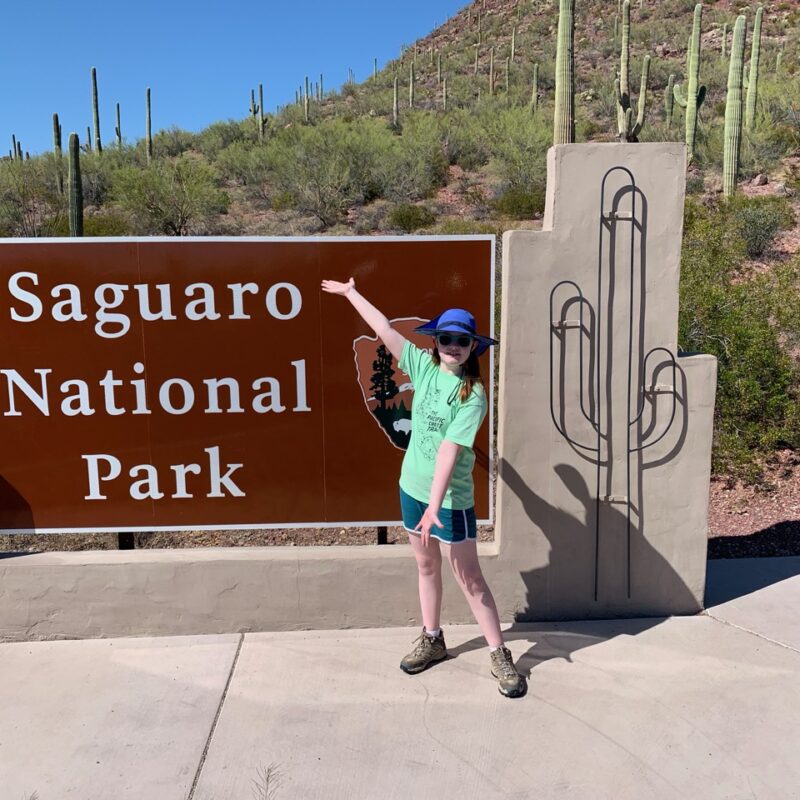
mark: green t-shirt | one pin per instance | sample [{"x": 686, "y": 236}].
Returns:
[{"x": 434, "y": 419}]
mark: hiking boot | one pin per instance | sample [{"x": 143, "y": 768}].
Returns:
[
  {"x": 429, "y": 650},
  {"x": 509, "y": 682}
]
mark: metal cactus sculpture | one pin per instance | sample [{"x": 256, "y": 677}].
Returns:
[
  {"x": 752, "y": 80},
  {"x": 96, "y": 113},
  {"x": 608, "y": 331},
  {"x": 627, "y": 129},
  {"x": 733, "y": 109},
  {"x": 564, "y": 116},
  {"x": 75, "y": 187},
  {"x": 694, "y": 94}
]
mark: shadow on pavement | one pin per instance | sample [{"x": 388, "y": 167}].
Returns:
[{"x": 727, "y": 579}]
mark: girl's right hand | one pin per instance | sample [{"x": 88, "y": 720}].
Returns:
[{"x": 334, "y": 287}]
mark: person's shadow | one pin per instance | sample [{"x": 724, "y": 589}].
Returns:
[{"x": 572, "y": 545}]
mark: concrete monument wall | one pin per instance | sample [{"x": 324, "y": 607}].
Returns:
[{"x": 588, "y": 524}]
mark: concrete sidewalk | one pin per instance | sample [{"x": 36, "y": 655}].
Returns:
[{"x": 685, "y": 707}]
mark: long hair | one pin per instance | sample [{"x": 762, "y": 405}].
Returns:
[{"x": 472, "y": 373}]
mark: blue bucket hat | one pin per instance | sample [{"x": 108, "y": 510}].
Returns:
[{"x": 457, "y": 320}]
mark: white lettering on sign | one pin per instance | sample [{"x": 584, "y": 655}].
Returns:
[
  {"x": 102, "y": 468},
  {"x": 282, "y": 301},
  {"x": 176, "y": 396}
]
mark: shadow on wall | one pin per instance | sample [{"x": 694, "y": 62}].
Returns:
[{"x": 16, "y": 510}]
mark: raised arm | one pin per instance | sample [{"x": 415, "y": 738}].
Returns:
[{"x": 371, "y": 315}]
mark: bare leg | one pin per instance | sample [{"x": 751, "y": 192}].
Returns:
[
  {"x": 463, "y": 558},
  {"x": 429, "y": 565}
]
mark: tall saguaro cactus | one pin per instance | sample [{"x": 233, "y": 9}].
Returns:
[
  {"x": 75, "y": 187},
  {"x": 57, "y": 154},
  {"x": 694, "y": 94},
  {"x": 627, "y": 129},
  {"x": 411, "y": 87},
  {"x": 733, "y": 109},
  {"x": 96, "y": 113},
  {"x": 118, "y": 130},
  {"x": 395, "y": 105},
  {"x": 752, "y": 81},
  {"x": 669, "y": 100},
  {"x": 564, "y": 115},
  {"x": 147, "y": 129},
  {"x": 535, "y": 89},
  {"x": 724, "y": 45}
]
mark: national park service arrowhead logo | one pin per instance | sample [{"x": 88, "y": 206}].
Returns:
[{"x": 387, "y": 390}]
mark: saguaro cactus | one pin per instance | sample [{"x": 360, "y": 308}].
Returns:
[
  {"x": 752, "y": 81},
  {"x": 395, "y": 105},
  {"x": 411, "y": 87},
  {"x": 513, "y": 42},
  {"x": 262, "y": 122},
  {"x": 444, "y": 94},
  {"x": 694, "y": 95},
  {"x": 118, "y": 130},
  {"x": 96, "y": 113},
  {"x": 57, "y": 154},
  {"x": 733, "y": 109},
  {"x": 724, "y": 39},
  {"x": 627, "y": 130},
  {"x": 147, "y": 130},
  {"x": 564, "y": 116},
  {"x": 75, "y": 187},
  {"x": 491, "y": 71},
  {"x": 535, "y": 89},
  {"x": 669, "y": 100}
]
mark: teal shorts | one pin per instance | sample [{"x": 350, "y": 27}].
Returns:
[{"x": 459, "y": 523}]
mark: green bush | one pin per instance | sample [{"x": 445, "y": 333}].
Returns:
[
  {"x": 410, "y": 218},
  {"x": 30, "y": 204},
  {"x": 749, "y": 326},
  {"x": 518, "y": 203},
  {"x": 757, "y": 225},
  {"x": 174, "y": 198}
]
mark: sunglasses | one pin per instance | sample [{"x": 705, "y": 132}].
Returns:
[{"x": 445, "y": 339}]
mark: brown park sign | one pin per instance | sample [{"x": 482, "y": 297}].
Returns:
[{"x": 153, "y": 384}]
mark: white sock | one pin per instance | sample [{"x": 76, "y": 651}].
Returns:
[
  {"x": 492, "y": 649},
  {"x": 435, "y": 632}
]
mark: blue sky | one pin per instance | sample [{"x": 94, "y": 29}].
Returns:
[{"x": 200, "y": 59}]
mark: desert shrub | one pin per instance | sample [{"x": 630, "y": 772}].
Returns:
[
  {"x": 420, "y": 164},
  {"x": 745, "y": 325},
  {"x": 465, "y": 227},
  {"x": 518, "y": 203},
  {"x": 106, "y": 223},
  {"x": 174, "y": 198},
  {"x": 172, "y": 142},
  {"x": 309, "y": 165},
  {"x": 250, "y": 166},
  {"x": 466, "y": 139},
  {"x": 409, "y": 218},
  {"x": 30, "y": 204},
  {"x": 218, "y": 136},
  {"x": 758, "y": 220}
]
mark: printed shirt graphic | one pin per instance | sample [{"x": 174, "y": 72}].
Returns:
[{"x": 433, "y": 420}]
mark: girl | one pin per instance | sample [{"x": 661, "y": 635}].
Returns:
[{"x": 436, "y": 489}]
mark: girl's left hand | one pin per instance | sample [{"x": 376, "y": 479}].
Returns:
[{"x": 429, "y": 518}]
